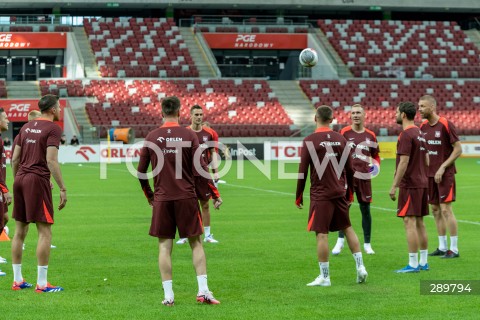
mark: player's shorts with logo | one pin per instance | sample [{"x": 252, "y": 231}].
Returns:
[
  {"x": 442, "y": 192},
  {"x": 183, "y": 214},
  {"x": 412, "y": 202},
  {"x": 32, "y": 196},
  {"x": 328, "y": 215},
  {"x": 202, "y": 189},
  {"x": 363, "y": 190}
]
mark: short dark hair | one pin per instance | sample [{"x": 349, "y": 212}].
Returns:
[
  {"x": 2, "y": 110},
  {"x": 47, "y": 101},
  {"x": 324, "y": 113},
  {"x": 408, "y": 108},
  {"x": 170, "y": 106},
  {"x": 195, "y": 107},
  {"x": 430, "y": 99}
]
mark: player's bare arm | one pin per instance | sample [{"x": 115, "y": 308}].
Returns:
[
  {"x": 16, "y": 159},
  {"x": 302, "y": 175},
  {"x": 142, "y": 169},
  {"x": 213, "y": 152},
  {"x": 457, "y": 151},
  {"x": 400, "y": 172},
  {"x": 54, "y": 167}
]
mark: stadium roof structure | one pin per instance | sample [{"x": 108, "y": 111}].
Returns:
[{"x": 317, "y": 5}]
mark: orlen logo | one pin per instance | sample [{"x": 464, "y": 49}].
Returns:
[
  {"x": 33, "y": 130},
  {"x": 20, "y": 107},
  {"x": 5, "y": 37},
  {"x": 84, "y": 151},
  {"x": 246, "y": 38}
]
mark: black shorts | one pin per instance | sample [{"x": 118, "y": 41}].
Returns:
[{"x": 202, "y": 189}]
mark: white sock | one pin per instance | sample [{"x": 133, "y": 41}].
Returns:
[
  {"x": 413, "y": 259},
  {"x": 423, "y": 257},
  {"x": 358, "y": 259},
  {"x": 341, "y": 241},
  {"x": 17, "y": 273},
  {"x": 207, "y": 231},
  {"x": 168, "y": 290},
  {"x": 324, "y": 269},
  {"x": 453, "y": 243},
  {"x": 42, "y": 275},
  {"x": 442, "y": 243},
  {"x": 202, "y": 283}
]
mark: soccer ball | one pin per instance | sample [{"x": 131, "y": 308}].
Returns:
[{"x": 308, "y": 57}]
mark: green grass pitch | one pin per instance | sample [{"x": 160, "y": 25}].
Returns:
[{"x": 107, "y": 262}]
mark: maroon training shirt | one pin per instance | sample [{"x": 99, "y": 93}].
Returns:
[
  {"x": 440, "y": 139},
  {"x": 34, "y": 139},
  {"x": 362, "y": 148},
  {"x": 166, "y": 186},
  {"x": 412, "y": 143},
  {"x": 328, "y": 145},
  {"x": 205, "y": 135}
]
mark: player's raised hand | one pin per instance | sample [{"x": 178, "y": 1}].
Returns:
[{"x": 63, "y": 199}]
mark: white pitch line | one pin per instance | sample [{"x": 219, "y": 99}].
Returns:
[{"x": 307, "y": 196}]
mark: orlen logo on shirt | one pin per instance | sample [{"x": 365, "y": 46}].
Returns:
[
  {"x": 33, "y": 130},
  {"x": 20, "y": 107}
]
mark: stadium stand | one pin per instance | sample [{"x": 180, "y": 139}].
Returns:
[
  {"x": 139, "y": 47},
  {"x": 457, "y": 100},
  {"x": 234, "y": 107},
  {"x": 412, "y": 49}
]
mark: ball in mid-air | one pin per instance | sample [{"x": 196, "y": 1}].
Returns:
[{"x": 308, "y": 57}]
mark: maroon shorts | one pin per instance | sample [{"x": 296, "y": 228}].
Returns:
[
  {"x": 183, "y": 214},
  {"x": 363, "y": 190},
  {"x": 442, "y": 192},
  {"x": 328, "y": 215},
  {"x": 202, "y": 189},
  {"x": 412, "y": 202},
  {"x": 32, "y": 199}
]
